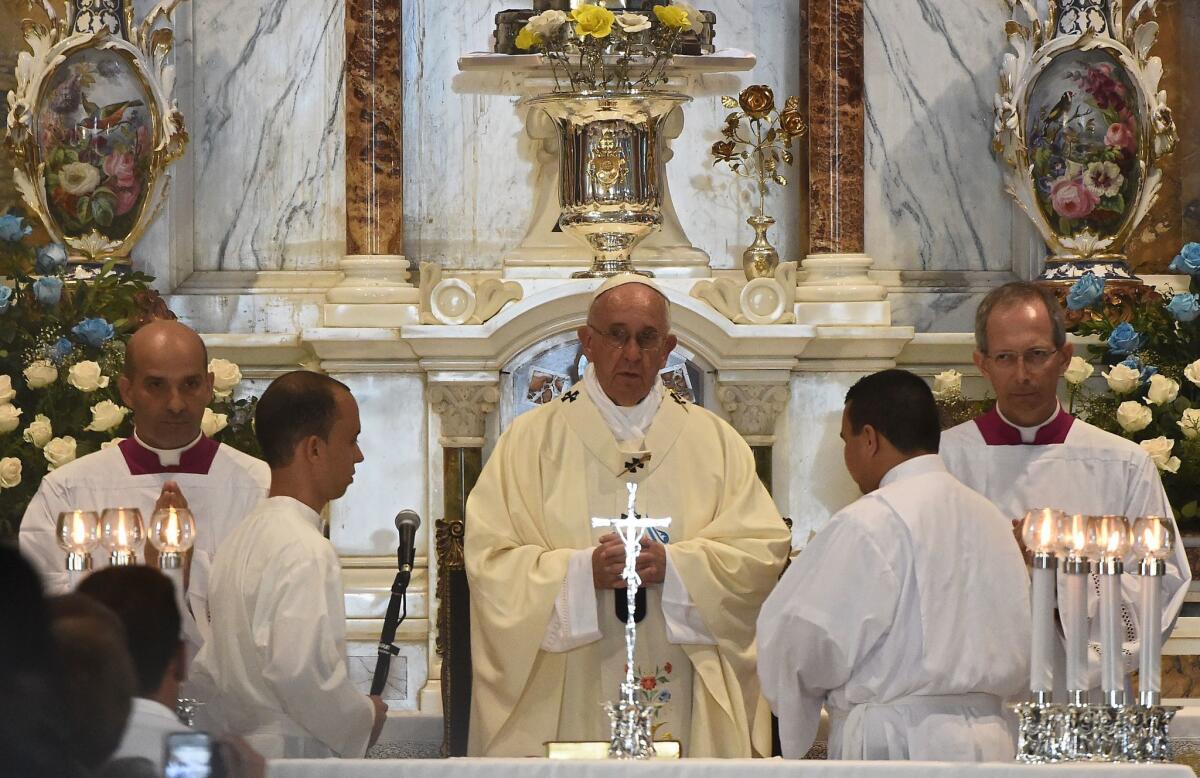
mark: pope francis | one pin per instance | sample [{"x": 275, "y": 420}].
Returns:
[{"x": 547, "y": 641}]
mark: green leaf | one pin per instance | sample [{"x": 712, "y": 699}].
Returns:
[
  {"x": 1189, "y": 510},
  {"x": 102, "y": 209},
  {"x": 83, "y": 209}
]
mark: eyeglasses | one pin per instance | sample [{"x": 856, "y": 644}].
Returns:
[
  {"x": 1034, "y": 358},
  {"x": 617, "y": 337}
]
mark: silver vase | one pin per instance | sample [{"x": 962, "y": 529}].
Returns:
[
  {"x": 761, "y": 258},
  {"x": 611, "y": 174}
]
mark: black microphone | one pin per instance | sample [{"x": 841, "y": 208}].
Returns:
[{"x": 407, "y": 524}]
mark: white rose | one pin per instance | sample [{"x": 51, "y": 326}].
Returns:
[
  {"x": 39, "y": 431},
  {"x": 947, "y": 383},
  {"x": 226, "y": 375},
  {"x": 40, "y": 374},
  {"x": 1190, "y": 423},
  {"x": 1078, "y": 371},
  {"x": 7, "y": 393},
  {"x": 106, "y": 415},
  {"x": 1162, "y": 390},
  {"x": 1133, "y": 417},
  {"x": 111, "y": 443},
  {"x": 86, "y": 376},
  {"x": 546, "y": 23},
  {"x": 59, "y": 451},
  {"x": 633, "y": 22},
  {"x": 10, "y": 472},
  {"x": 1192, "y": 372},
  {"x": 694, "y": 16},
  {"x": 1159, "y": 450},
  {"x": 10, "y": 417},
  {"x": 1123, "y": 379},
  {"x": 212, "y": 423}
]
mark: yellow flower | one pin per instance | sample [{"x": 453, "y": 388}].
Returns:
[
  {"x": 527, "y": 39},
  {"x": 672, "y": 16},
  {"x": 593, "y": 20}
]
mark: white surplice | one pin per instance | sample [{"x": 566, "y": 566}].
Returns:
[
  {"x": 146, "y": 731},
  {"x": 907, "y": 616},
  {"x": 276, "y": 662},
  {"x": 1080, "y": 469},
  {"x": 220, "y": 483}
]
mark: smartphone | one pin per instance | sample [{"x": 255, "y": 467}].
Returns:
[{"x": 190, "y": 755}]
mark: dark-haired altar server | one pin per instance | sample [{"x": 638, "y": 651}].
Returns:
[
  {"x": 276, "y": 661},
  {"x": 1028, "y": 452},
  {"x": 907, "y": 615},
  {"x": 167, "y": 461}
]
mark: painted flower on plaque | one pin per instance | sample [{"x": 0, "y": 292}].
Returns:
[
  {"x": 1083, "y": 126},
  {"x": 95, "y": 135}
]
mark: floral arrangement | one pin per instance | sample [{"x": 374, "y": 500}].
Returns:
[
  {"x": 1151, "y": 348},
  {"x": 758, "y": 138},
  {"x": 599, "y": 50},
  {"x": 1085, "y": 153},
  {"x": 97, "y": 157},
  {"x": 62, "y": 345}
]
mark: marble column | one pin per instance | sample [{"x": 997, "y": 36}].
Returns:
[
  {"x": 463, "y": 407},
  {"x": 376, "y": 289},
  {"x": 753, "y": 409},
  {"x": 836, "y": 267}
]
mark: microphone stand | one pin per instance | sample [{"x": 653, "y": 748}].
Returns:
[{"x": 397, "y": 609}]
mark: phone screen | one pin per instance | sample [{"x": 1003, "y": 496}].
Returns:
[{"x": 189, "y": 755}]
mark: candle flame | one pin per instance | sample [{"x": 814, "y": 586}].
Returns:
[
  {"x": 171, "y": 530},
  {"x": 78, "y": 531}
]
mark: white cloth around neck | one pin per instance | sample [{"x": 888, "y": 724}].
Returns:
[{"x": 626, "y": 422}]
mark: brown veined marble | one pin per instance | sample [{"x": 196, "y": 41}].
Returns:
[
  {"x": 374, "y": 128},
  {"x": 1180, "y": 677},
  {"x": 835, "y": 136}
]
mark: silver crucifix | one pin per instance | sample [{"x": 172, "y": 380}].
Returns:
[{"x": 631, "y": 719}]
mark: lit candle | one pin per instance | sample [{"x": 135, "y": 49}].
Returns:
[
  {"x": 1153, "y": 538},
  {"x": 78, "y": 533},
  {"x": 123, "y": 534},
  {"x": 172, "y": 532},
  {"x": 1040, "y": 531},
  {"x": 1111, "y": 536},
  {"x": 1073, "y": 544}
]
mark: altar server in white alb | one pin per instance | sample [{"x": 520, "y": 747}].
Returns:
[
  {"x": 1028, "y": 452},
  {"x": 547, "y": 642},
  {"x": 277, "y": 656},
  {"x": 907, "y": 615},
  {"x": 167, "y": 461}
]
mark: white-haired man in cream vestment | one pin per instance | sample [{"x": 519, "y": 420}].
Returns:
[
  {"x": 1028, "y": 453},
  {"x": 546, "y": 640}
]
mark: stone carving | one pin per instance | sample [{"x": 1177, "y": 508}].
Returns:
[
  {"x": 761, "y": 301},
  {"x": 456, "y": 301},
  {"x": 753, "y": 409},
  {"x": 464, "y": 409}
]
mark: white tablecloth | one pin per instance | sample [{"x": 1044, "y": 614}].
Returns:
[{"x": 697, "y": 768}]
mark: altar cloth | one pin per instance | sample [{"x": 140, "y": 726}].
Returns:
[{"x": 701, "y": 768}]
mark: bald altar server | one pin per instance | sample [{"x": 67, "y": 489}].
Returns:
[
  {"x": 907, "y": 616},
  {"x": 546, "y": 640},
  {"x": 1028, "y": 452},
  {"x": 167, "y": 461},
  {"x": 277, "y": 656}
]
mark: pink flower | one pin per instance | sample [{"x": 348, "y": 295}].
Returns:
[
  {"x": 126, "y": 198},
  {"x": 1071, "y": 198},
  {"x": 1120, "y": 136},
  {"x": 120, "y": 166}
]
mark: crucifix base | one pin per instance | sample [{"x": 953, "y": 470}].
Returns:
[{"x": 598, "y": 749}]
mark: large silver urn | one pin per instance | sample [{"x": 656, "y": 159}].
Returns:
[{"x": 611, "y": 174}]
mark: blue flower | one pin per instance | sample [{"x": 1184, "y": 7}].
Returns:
[
  {"x": 61, "y": 349},
  {"x": 1187, "y": 260},
  {"x": 13, "y": 228},
  {"x": 1133, "y": 363},
  {"x": 50, "y": 259},
  {"x": 48, "y": 290},
  {"x": 664, "y": 696},
  {"x": 1085, "y": 292},
  {"x": 5, "y": 298},
  {"x": 1124, "y": 339},
  {"x": 1185, "y": 307},
  {"x": 94, "y": 332}
]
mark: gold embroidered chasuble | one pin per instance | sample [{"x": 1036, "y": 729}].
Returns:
[{"x": 550, "y": 473}]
